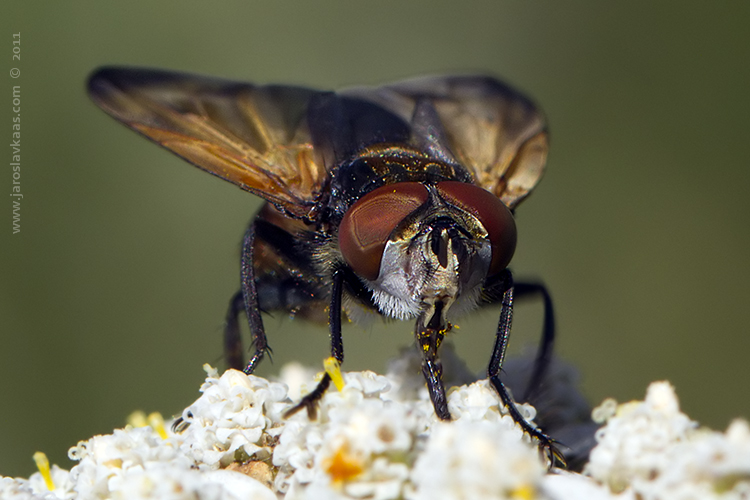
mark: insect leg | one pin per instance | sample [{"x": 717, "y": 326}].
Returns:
[
  {"x": 250, "y": 298},
  {"x": 334, "y": 315},
  {"x": 496, "y": 362},
  {"x": 310, "y": 401},
  {"x": 432, "y": 370},
  {"x": 544, "y": 352}
]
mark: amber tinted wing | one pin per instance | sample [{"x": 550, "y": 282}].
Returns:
[
  {"x": 491, "y": 129},
  {"x": 253, "y": 136}
]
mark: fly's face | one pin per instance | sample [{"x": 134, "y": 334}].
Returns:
[
  {"x": 432, "y": 265},
  {"x": 425, "y": 250}
]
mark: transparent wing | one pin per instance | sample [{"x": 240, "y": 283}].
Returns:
[
  {"x": 489, "y": 128},
  {"x": 253, "y": 136}
]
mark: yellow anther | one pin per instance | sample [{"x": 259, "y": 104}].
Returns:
[
  {"x": 137, "y": 419},
  {"x": 524, "y": 492},
  {"x": 156, "y": 421},
  {"x": 42, "y": 463},
  {"x": 333, "y": 369}
]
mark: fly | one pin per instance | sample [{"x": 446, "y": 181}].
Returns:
[{"x": 396, "y": 200}]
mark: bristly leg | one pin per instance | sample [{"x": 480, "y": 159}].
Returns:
[
  {"x": 310, "y": 401},
  {"x": 250, "y": 296},
  {"x": 429, "y": 338},
  {"x": 546, "y": 443},
  {"x": 246, "y": 299}
]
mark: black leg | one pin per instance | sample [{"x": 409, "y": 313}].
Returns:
[
  {"x": 544, "y": 352},
  {"x": 334, "y": 315},
  {"x": 496, "y": 362},
  {"x": 433, "y": 372},
  {"x": 503, "y": 328},
  {"x": 250, "y": 297},
  {"x": 310, "y": 401}
]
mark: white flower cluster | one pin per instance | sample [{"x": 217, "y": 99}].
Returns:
[
  {"x": 368, "y": 444},
  {"x": 653, "y": 450},
  {"x": 376, "y": 440}
]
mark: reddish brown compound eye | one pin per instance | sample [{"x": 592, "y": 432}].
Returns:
[
  {"x": 491, "y": 212},
  {"x": 369, "y": 222}
]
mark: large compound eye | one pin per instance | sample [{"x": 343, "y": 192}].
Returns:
[
  {"x": 491, "y": 212},
  {"x": 369, "y": 222}
]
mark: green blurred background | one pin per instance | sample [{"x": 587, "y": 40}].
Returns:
[{"x": 113, "y": 294}]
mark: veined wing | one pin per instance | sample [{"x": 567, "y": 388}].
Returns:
[
  {"x": 476, "y": 121},
  {"x": 253, "y": 136}
]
